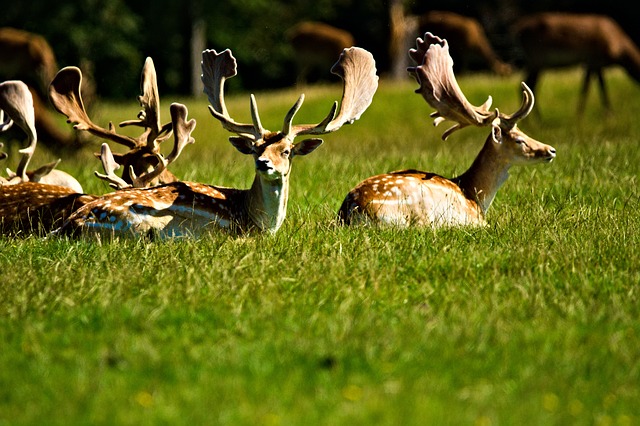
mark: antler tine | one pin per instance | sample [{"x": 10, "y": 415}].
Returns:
[
  {"x": 182, "y": 137},
  {"x": 149, "y": 116},
  {"x": 5, "y": 121},
  {"x": 110, "y": 165},
  {"x": 17, "y": 102},
  {"x": 66, "y": 97},
  {"x": 216, "y": 68},
  {"x": 528, "y": 100},
  {"x": 439, "y": 87},
  {"x": 357, "y": 68}
]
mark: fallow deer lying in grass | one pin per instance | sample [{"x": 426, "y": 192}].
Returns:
[
  {"x": 16, "y": 102},
  {"x": 415, "y": 198},
  {"x": 32, "y": 201},
  {"x": 553, "y": 40},
  {"x": 30, "y": 207},
  {"x": 144, "y": 151},
  {"x": 189, "y": 208}
]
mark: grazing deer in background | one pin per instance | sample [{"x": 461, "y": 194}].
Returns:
[
  {"x": 553, "y": 40},
  {"x": 466, "y": 36},
  {"x": 415, "y": 198},
  {"x": 32, "y": 201},
  {"x": 16, "y": 102},
  {"x": 144, "y": 151},
  {"x": 315, "y": 46},
  {"x": 28, "y": 57},
  {"x": 189, "y": 208}
]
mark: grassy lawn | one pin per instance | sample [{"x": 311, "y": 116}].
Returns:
[{"x": 534, "y": 320}]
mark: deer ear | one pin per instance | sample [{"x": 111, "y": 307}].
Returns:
[
  {"x": 496, "y": 134},
  {"x": 243, "y": 145},
  {"x": 42, "y": 171},
  {"x": 307, "y": 146}
]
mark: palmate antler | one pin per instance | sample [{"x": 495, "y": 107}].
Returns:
[
  {"x": 182, "y": 130},
  {"x": 356, "y": 67},
  {"x": 438, "y": 86},
  {"x": 65, "y": 95}
]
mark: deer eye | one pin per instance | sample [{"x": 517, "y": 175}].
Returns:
[
  {"x": 519, "y": 141},
  {"x": 286, "y": 152}
]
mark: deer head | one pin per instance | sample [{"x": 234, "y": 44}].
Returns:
[
  {"x": 506, "y": 145},
  {"x": 274, "y": 150},
  {"x": 16, "y": 102},
  {"x": 143, "y": 154}
]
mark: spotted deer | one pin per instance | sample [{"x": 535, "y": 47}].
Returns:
[
  {"x": 554, "y": 40},
  {"x": 190, "y": 208},
  {"x": 16, "y": 102},
  {"x": 144, "y": 150},
  {"x": 416, "y": 198},
  {"x": 32, "y": 201}
]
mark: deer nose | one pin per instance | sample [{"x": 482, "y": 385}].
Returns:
[{"x": 263, "y": 165}]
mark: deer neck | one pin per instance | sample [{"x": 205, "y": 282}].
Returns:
[
  {"x": 266, "y": 202},
  {"x": 485, "y": 176}
]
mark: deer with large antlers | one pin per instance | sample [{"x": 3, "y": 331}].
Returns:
[
  {"x": 16, "y": 102},
  {"x": 189, "y": 208},
  {"x": 415, "y": 198},
  {"x": 32, "y": 201},
  {"x": 554, "y": 40},
  {"x": 143, "y": 156}
]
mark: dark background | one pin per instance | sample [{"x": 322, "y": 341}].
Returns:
[{"x": 112, "y": 37}]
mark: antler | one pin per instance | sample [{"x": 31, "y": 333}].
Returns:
[
  {"x": 357, "y": 68},
  {"x": 182, "y": 137},
  {"x": 438, "y": 86},
  {"x": 65, "y": 95},
  {"x": 216, "y": 68},
  {"x": 17, "y": 102},
  {"x": 5, "y": 122}
]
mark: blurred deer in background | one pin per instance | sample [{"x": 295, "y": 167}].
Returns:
[
  {"x": 315, "y": 46},
  {"x": 189, "y": 208},
  {"x": 552, "y": 40},
  {"x": 28, "y": 57},
  {"x": 143, "y": 155},
  {"x": 32, "y": 201},
  {"x": 468, "y": 40},
  {"x": 415, "y": 198}
]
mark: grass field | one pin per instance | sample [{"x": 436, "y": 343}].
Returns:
[{"x": 534, "y": 320}]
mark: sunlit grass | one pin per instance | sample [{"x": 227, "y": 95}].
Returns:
[{"x": 532, "y": 320}]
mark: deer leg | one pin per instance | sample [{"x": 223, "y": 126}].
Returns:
[
  {"x": 582, "y": 102},
  {"x": 604, "y": 96}
]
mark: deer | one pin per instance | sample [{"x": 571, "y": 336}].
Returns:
[
  {"x": 469, "y": 41},
  {"x": 142, "y": 157},
  {"x": 413, "y": 198},
  {"x": 32, "y": 201},
  {"x": 189, "y": 209},
  {"x": 16, "y": 101},
  {"x": 316, "y": 44},
  {"x": 31, "y": 207},
  {"x": 28, "y": 57},
  {"x": 554, "y": 40}
]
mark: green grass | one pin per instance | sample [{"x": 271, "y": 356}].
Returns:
[{"x": 533, "y": 320}]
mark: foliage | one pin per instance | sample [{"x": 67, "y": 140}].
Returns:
[{"x": 533, "y": 320}]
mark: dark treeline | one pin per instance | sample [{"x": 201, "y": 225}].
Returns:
[{"x": 111, "y": 38}]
